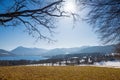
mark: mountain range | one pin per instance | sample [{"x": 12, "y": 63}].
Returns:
[{"x": 23, "y": 51}]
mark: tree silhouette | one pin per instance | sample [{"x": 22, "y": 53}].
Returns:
[
  {"x": 33, "y": 14},
  {"x": 104, "y": 15}
]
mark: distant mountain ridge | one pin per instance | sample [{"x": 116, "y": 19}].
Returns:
[
  {"x": 58, "y": 51},
  {"x": 5, "y": 53},
  {"x": 28, "y": 51},
  {"x": 98, "y": 49}
]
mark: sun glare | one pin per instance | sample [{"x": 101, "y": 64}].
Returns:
[{"x": 70, "y": 6}]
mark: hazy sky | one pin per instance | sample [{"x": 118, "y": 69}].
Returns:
[{"x": 66, "y": 36}]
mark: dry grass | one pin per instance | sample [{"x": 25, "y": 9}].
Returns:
[{"x": 58, "y": 73}]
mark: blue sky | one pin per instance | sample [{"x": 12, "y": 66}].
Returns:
[{"x": 67, "y": 36}]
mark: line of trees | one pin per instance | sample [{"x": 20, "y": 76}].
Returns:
[{"x": 62, "y": 61}]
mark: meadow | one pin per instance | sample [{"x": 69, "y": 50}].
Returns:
[{"x": 59, "y": 73}]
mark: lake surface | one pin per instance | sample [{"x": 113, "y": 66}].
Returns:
[{"x": 22, "y": 58}]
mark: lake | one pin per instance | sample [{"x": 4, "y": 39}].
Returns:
[{"x": 22, "y": 58}]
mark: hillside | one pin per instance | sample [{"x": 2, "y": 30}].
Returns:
[
  {"x": 80, "y": 55},
  {"x": 5, "y": 53},
  {"x": 27, "y": 51},
  {"x": 99, "y": 49}
]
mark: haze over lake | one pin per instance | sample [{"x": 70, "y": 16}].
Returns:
[{"x": 22, "y": 58}]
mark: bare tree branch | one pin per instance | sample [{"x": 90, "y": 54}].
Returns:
[
  {"x": 104, "y": 15},
  {"x": 31, "y": 18}
]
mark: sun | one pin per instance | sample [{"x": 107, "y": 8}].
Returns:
[{"x": 70, "y": 6}]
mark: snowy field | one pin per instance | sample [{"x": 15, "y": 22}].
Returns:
[{"x": 114, "y": 64}]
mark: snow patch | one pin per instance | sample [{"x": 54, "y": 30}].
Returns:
[{"x": 108, "y": 63}]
